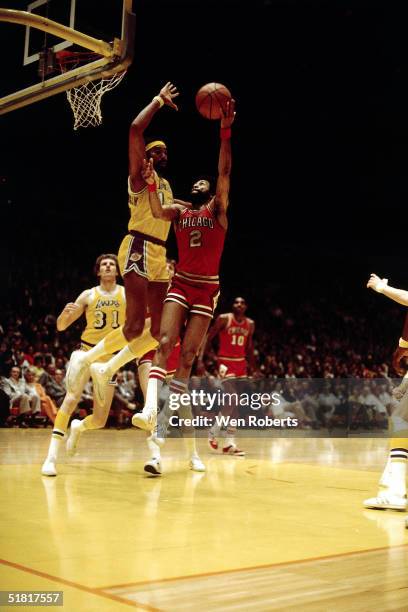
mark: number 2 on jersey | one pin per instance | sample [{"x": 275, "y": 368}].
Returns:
[{"x": 195, "y": 238}]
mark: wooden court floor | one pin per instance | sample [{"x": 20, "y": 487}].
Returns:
[{"x": 281, "y": 529}]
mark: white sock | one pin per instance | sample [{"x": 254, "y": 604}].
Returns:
[
  {"x": 190, "y": 444},
  {"x": 384, "y": 480},
  {"x": 154, "y": 385},
  {"x": 398, "y": 485},
  {"x": 53, "y": 449},
  {"x": 96, "y": 352},
  {"x": 117, "y": 361},
  {"x": 398, "y": 472},
  {"x": 215, "y": 429},
  {"x": 229, "y": 442},
  {"x": 153, "y": 449}
]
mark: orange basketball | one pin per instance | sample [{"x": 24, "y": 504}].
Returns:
[{"x": 211, "y": 100}]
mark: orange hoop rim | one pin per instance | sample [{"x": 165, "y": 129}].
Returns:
[{"x": 68, "y": 59}]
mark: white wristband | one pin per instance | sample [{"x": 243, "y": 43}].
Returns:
[
  {"x": 159, "y": 99},
  {"x": 381, "y": 285}
]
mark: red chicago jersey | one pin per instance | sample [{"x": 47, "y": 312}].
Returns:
[
  {"x": 200, "y": 241},
  {"x": 234, "y": 338}
]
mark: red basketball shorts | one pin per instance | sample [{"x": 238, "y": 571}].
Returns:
[
  {"x": 197, "y": 298},
  {"x": 232, "y": 367}
]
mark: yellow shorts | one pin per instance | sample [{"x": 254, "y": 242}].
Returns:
[{"x": 144, "y": 258}]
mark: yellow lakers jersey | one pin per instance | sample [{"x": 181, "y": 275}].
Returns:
[
  {"x": 141, "y": 218},
  {"x": 105, "y": 312}
]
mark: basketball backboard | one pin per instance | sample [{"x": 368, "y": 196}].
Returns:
[{"x": 106, "y": 28}]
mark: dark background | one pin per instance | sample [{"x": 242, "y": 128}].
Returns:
[{"x": 320, "y": 157}]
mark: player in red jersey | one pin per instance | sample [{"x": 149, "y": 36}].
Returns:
[
  {"x": 235, "y": 357},
  {"x": 192, "y": 295},
  {"x": 235, "y": 331}
]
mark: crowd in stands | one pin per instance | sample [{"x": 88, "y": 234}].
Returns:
[{"x": 330, "y": 338}]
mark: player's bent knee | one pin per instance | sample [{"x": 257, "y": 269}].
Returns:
[
  {"x": 70, "y": 402},
  {"x": 166, "y": 345}
]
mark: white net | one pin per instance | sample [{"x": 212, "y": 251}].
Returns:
[{"x": 85, "y": 100}]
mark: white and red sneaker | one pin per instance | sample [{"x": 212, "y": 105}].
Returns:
[
  {"x": 232, "y": 449},
  {"x": 212, "y": 442}
]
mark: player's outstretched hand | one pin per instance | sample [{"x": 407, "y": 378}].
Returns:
[
  {"x": 377, "y": 283},
  {"x": 148, "y": 171},
  {"x": 229, "y": 115},
  {"x": 167, "y": 93}
]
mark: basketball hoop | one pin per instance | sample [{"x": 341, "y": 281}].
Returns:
[{"x": 85, "y": 100}]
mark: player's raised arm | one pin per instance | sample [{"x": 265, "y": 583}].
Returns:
[
  {"x": 167, "y": 213},
  {"x": 72, "y": 311},
  {"x": 137, "y": 128},
  {"x": 401, "y": 296},
  {"x": 224, "y": 165},
  {"x": 381, "y": 286}
]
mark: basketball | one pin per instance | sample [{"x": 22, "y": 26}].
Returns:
[{"x": 211, "y": 100}]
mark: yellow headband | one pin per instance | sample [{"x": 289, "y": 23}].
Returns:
[{"x": 155, "y": 143}]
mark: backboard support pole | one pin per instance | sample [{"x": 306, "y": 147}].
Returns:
[
  {"x": 52, "y": 27},
  {"x": 116, "y": 57}
]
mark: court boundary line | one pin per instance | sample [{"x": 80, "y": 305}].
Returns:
[
  {"x": 254, "y": 567},
  {"x": 77, "y": 585}
]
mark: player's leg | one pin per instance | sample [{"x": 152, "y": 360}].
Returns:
[
  {"x": 156, "y": 296},
  {"x": 173, "y": 318},
  {"x": 96, "y": 420},
  {"x": 143, "y": 369},
  {"x": 153, "y": 465},
  {"x": 75, "y": 387},
  {"x": 163, "y": 418},
  {"x": 229, "y": 410},
  {"x": 157, "y": 438},
  {"x": 196, "y": 330},
  {"x": 194, "y": 335},
  {"x": 393, "y": 489},
  {"x": 393, "y": 495}
]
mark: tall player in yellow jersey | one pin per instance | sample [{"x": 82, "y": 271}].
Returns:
[
  {"x": 104, "y": 307},
  {"x": 142, "y": 256}
]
